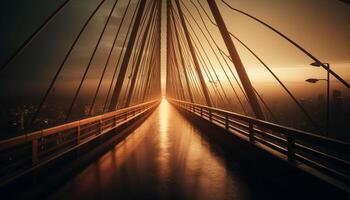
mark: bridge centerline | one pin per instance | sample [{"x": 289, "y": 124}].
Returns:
[{"x": 166, "y": 157}]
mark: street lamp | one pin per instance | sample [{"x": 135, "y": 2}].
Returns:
[{"x": 314, "y": 80}]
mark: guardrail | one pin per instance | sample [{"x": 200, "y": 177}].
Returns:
[
  {"x": 329, "y": 156},
  {"x": 25, "y": 152}
]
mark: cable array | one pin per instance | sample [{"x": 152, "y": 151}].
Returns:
[
  {"x": 222, "y": 83},
  {"x": 136, "y": 73}
]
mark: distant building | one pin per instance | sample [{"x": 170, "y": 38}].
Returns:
[
  {"x": 337, "y": 100},
  {"x": 321, "y": 100},
  {"x": 338, "y": 127}
]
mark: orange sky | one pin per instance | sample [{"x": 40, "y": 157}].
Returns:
[{"x": 321, "y": 27}]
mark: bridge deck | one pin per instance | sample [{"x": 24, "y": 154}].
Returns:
[{"x": 168, "y": 158}]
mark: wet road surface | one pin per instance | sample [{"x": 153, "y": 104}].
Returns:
[{"x": 165, "y": 158}]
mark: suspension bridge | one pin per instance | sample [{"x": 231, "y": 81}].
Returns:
[{"x": 90, "y": 119}]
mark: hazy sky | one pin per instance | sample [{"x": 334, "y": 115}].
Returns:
[
  {"x": 38, "y": 63},
  {"x": 320, "y": 26}
]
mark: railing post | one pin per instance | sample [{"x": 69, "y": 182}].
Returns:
[
  {"x": 226, "y": 122},
  {"x": 290, "y": 148},
  {"x": 34, "y": 151},
  {"x": 100, "y": 126},
  {"x": 251, "y": 132},
  {"x": 78, "y": 134},
  {"x": 114, "y": 121}
]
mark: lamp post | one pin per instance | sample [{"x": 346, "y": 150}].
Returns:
[{"x": 314, "y": 80}]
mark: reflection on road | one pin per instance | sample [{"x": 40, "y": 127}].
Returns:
[{"x": 165, "y": 158}]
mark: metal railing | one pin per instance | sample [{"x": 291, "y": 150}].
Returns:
[
  {"x": 328, "y": 156},
  {"x": 25, "y": 152}
]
